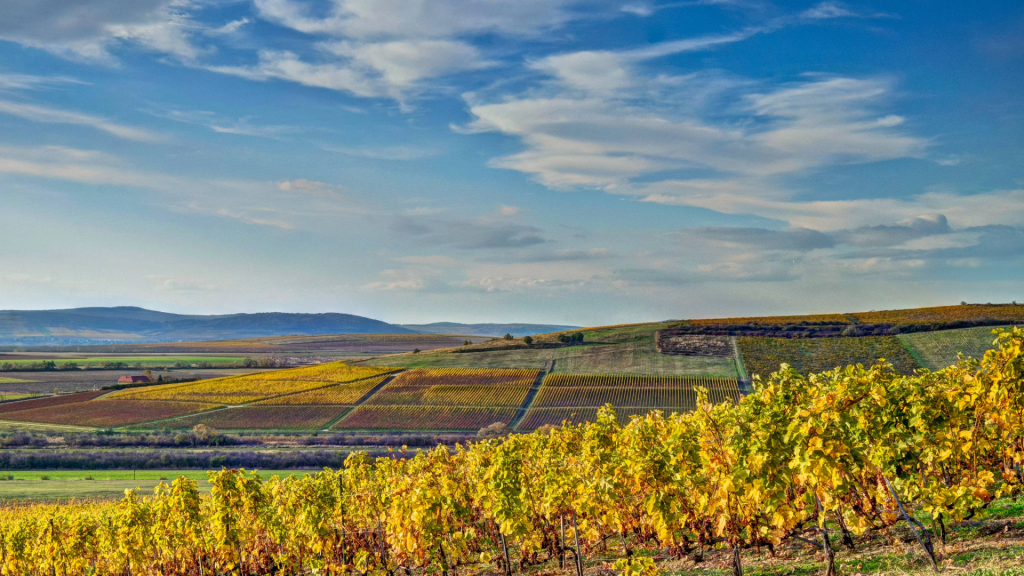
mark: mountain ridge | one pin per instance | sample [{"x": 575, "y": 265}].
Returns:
[{"x": 131, "y": 324}]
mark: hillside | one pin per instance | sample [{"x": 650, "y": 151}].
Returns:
[
  {"x": 127, "y": 324},
  {"x": 516, "y": 330}
]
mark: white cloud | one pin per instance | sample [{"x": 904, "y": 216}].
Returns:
[
  {"x": 32, "y": 82},
  {"x": 310, "y": 186},
  {"x": 229, "y": 28},
  {"x": 372, "y": 19},
  {"x": 508, "y": 210},
  {"x": 387, "y": 152},
  {"x": 86, "y": 29},
  {"x": 57, "y": 116},
  {"x": 826, "y": 11},
  {"x": 395, "y": 280}
]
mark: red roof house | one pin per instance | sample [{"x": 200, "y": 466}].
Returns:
[{"x": 133, "y": 379}]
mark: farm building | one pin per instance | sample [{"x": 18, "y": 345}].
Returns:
[{"x": 133, "y": 379}]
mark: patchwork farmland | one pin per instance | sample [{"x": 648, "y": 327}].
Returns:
[{"x": 528, "y": 384}]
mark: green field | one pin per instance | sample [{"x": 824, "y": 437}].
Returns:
[
  {"x": 617, "y": 350},
  {"x": 144, "y": 361},
  {"x": 13, "y": 381},
  {"x": 30, "y": 485},
  {"x": 937, "y": 350}
]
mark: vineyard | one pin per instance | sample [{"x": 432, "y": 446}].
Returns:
[
  {"x": 970, "y": 313},
  {"x": 577, "y": 397},
  {"x": 107, "y": 413},
  {"x": 938, "y": 349},
  {"x": 253, "y": 387},
  {"x": 5, "y": 409},
  {"x": 829, "y": 461},
  {"x": 263, "y": 418},
  {"x": 456, "y": 387},
  {"x": 337, "y": 394},
  {"x": 764, "y": 355},
  {"x": 425, "y": 417}
]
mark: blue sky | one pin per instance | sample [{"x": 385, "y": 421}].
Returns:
[{"x": 538, "y": 160}]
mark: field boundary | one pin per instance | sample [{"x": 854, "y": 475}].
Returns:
[
  {"x": 369, "y": 394},
  {"x": 531, "y": 395}
]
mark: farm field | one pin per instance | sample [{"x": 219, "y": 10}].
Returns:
[
  {"x": 100, "y": 484},
  {"x": 444, "y": 399},
  {"x": 44, "y": 382},
  {"x": 764, "y": 355},
  {"x": 350, "y": 345},
  {"x": 262, "y": 418},
  {"x": 937, "y": 350},
  {"x": 577, "y": 397},
  {"x": 250, "y": 388},
  {"x": 992, "y": 313},
  {"x": 630, "y": 350},
  {"x": 87, "y": 361},
  {"x": 456, "y": 387},
  {"x": 424, "y": 417},
  {"x": 337, "y": 394},
  {"x": 103, "y": 413}
]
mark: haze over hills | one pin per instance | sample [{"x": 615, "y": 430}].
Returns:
[
  {"x": 128, "y": 324},
  {"x": 516, "y": 330}
]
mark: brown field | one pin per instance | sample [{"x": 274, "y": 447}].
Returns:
[
  {"x": 264, "y": 418},
  {"x": 106, "y": 413},
  {"x": 48, "y": 401}
]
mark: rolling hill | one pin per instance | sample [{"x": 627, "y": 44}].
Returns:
[
  {"x": 128, "y": 324},
  {"x": 516, "y": 330}
]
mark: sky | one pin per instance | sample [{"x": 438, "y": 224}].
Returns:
[{"x": 558, "y": 161}]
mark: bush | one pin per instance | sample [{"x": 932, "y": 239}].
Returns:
[
  {"x": 507, "y": 336},
  {"x": 528, "y": 340},
  {"x": 496, "y": 430}
]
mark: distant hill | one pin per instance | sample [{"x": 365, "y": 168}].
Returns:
[
  {"x": 128, "y": 324},
  {"x": 516, "y": 330}
]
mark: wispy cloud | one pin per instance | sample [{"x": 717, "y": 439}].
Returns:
[
  {"x": 48, "y": 115},
  {"x": 401, "y": 153}
]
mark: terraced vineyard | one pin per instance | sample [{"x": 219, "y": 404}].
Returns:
[
  {"x": 444, "y": 399},
  {"x": 806, "y": 355},
  {"x": 264, "y": 418},
  {"x": 576, "y": 397},
  {"x": 254, "y": 387}
]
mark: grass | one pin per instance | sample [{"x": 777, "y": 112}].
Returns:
[
  {"x": 294, "y": 417},
  {"x": 63, "y": 484},
  {"x": 617, "y": 350},
  {"x": 145, "y": 361},
  {"x": 16, "y": 396},
  {"x": 14, "y": 381},
  {"x": 937, "y": 350}
]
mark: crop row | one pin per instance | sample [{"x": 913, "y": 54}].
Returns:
[
  {"x": 466, "y": 377},
  {"x": 252, "y": 387},
  {"x": 638, "y": 381},
  {"x": 681, "y": 398},
  {"x": 807, "y": 319},
  {"x": 265, "y": 417},
  {"x": 425, "y": 417},
  {"x": 395, "y": 394},
  {"x": 106, "y": 413},
  {"x": 347, "y": 393},
  {"x": 1008, "y": 313},
  {"x": 764, "y": 355},
  {"x": 48, "y": 401}
]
